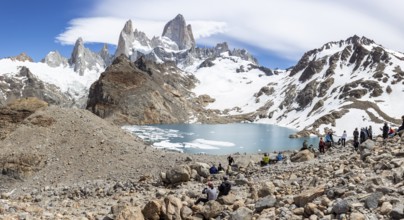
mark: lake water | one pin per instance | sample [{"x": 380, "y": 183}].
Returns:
[{"x": 220, "y": 138}]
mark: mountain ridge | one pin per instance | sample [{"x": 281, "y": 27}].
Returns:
[{"x": 315, "y": 94}]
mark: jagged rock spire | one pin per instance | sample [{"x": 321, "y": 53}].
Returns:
[
  {"x": 179, "y": 32},
  {"x": 126, "y": 39},
  {"x": 104, "y": 53},
  {"x": 82, "y": 58}
]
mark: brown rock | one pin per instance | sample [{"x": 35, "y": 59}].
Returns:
[
  {"x": 129, "y": 213},
  {"x": 152, "y": 210},
  {"x": 172, "y": 208},
  {"x": 308, "y": 196}
]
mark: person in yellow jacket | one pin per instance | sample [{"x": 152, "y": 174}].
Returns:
[{"x": 265, "y": 160}]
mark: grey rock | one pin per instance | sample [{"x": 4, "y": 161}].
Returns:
[
  {"x": 341, "y": 207},
  {"x": 372, "y": 201},
  {"x": 242, "y": 213},
  {"x": 397, "y": 212},
  {"x": 264, "y": 203}
]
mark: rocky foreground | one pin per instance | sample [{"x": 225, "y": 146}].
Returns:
[{"x": 61, "y": 163}]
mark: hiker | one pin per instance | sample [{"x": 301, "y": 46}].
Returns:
[
  {"x": 224, "y": 187},
  {"x": 385, "y": 130},
  {"x": 370, "y": 135},
  {"x": 328, "y": 140},
  {"x": 213, "y": 170},
  {"x": 356, "y": 139},
  {"x": 220, "y": 168},
  {"x": 321, "y": 145},
  {"x": 279, "y": 157},
  {"x": 343, "y": 138},
  {"x": 362, "y": 135},
  {"x": 305, "y": 146},
  {"x": 265, "y": 160},
  {"x": 211, "y": 194},
  {"x": 230, "y": 160}
]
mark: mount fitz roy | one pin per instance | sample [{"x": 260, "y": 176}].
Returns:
[{"x": 167, "y": 79}]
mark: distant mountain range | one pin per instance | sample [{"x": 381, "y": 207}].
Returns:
[{"x": 167, "y": 79}]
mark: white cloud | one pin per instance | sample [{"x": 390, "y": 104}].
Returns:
[{"x": 288, "y": 27}]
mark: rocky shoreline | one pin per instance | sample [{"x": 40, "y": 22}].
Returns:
[{"x": 68, "y": 164}]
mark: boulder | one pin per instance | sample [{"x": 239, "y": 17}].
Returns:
[
  {"x": 212, "y": 209},
  {"x": 357, "y": 216},
  {"x": 242, "y": 213},
  {"x": 307, "y": 196},
  {"x": 229, "y": 199},
  {"x": 266, "y": 189},
  {"x": 179, "y": 174},
  {"x": 301, "y": 156},
  {"x": 186, "y": 212},
  {"x": 386, "y": 208},
  {"x": 171, "y": 208},
  {"x": 340, "y": 207},
  {"x": 128, "y": 213},
  {"x": 202, "y": 169},
  {"x": 152, "y": 210},
  {"x": 372, "y": 201},
  {"x": 397, "y": 212},
  {"x": 264, "y": 203}
]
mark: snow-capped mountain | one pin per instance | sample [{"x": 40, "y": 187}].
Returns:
[
  {"x": 177, "y": 44},
  {"x": 342, "y": 85}
]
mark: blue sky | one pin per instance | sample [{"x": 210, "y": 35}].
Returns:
[{"x": 276, "y": 32}]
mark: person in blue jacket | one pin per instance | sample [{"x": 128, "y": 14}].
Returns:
[{"x": 213, "y": 170}]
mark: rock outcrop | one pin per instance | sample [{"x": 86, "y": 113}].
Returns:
[
  {"x": 25, "y": 84},
  {"x": 141, "y": 93},
  {"x": 23, "y": 57}
]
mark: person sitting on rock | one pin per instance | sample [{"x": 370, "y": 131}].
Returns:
[
  {"x": 224, "y": 187},
  {"x": 211, "y": 193},
  {"x": 392, "y": 132},
  {"x": 265, "y": 160},
  {"x": 213, "y": 170},
  {"x": 305, "y": 146},
  {"x": 279, "y": 157},
  {"x": 220, "y": 168}
]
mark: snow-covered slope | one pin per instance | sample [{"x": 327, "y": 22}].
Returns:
[
  {"x": 64, "y": 78},
  {"x": 342, "y": 85}
]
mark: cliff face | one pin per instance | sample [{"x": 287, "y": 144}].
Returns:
[{"x": 141, "y": 93}]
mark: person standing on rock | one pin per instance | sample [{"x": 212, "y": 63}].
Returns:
[
  {"x": 211, "y": 194},
  {"x": 385, "y": 130},
  {"x": 343, "y": 138},
  {"x": 224, "y": 187},
  {"x": 321, "y": 145},
  {"x": 356, "y": 138},
  {"x": 370, "y": 135},
  {"x": 230, "y": 160}
]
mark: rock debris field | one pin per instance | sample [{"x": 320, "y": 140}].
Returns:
[{"x": 59, "y": 163}]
